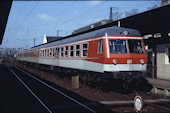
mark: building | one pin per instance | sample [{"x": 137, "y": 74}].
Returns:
[
  {"x": 163, "y": 60},
  {"x": 48, "y": 39}
]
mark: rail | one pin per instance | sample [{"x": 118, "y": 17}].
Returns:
[{"x": 56, "y": 90}]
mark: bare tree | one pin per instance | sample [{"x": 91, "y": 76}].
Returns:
[
  {"x": 116, "y": 14},
  {"x": 164, "y": 3},
  {"x": 9, "y": 52},
  {"x": 153, "y": 6},
  {"x": 131, "y": 12}
]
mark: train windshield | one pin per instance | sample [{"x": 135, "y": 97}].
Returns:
[
  {"x": 120, "y": 46},
  {"x": 135, "y": 46},
  {"x": 117, "y": 46}
]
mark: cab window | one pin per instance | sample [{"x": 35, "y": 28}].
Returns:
[
  {"x": 117, "y": 46},
  {"x": 135, "y": 46},
  {"x": 100, "y": 46}
]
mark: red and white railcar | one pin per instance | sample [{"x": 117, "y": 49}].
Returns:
[{"x": 113, "y": 49}]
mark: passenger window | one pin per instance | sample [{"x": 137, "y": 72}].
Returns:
[
  {"x": 61, "y": 53},
  {"x": 57, "y": 52},
  {"x": 40, "y": 53},
  {"x": 100, "y": 46},
  {"x": 53, "y": 52},
  {"x": 85, "y": 49},
  {"x": 66, "y": 51},
  {"x": 35, "y": 53},
  {"x": 71, "y": 51},
  {"x": 77, "y": 50},
  {"x": 45, "y": 53},
  {"x": 50, "y": 52}
]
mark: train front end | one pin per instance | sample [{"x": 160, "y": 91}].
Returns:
[{"x": 125, "y": 56}]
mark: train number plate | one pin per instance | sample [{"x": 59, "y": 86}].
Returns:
[{"x": 129, "y": 61}]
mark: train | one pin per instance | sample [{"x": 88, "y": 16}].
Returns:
[{"x": 112, "y": 52}]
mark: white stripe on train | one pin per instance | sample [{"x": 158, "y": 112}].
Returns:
[{"x": 87, "y": 65}]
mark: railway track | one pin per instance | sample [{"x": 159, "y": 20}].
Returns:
[
  {"x": 151, "y": 102},
  {"x": 54, "y": 99},
  {"x": 125, "y": 102}
]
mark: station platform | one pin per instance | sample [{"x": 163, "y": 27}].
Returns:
[{"x": 160, "y": 86}]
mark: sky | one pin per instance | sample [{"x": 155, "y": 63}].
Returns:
[{"x": 32, "y": 19}]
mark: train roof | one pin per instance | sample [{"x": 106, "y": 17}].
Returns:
[
  {"x": 111, "y": 31},
  {"x": 91, "y": 26}
]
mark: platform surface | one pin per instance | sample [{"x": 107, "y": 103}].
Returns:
[{"x": 159, "y": 83}]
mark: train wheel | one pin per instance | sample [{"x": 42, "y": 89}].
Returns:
[
  {"x": 125, "y": 85},
  {"x": 128, "y": 82}
]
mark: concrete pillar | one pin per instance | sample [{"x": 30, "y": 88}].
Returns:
[
  {"x": 155, "y": 90},
  {"x": 166, "y": 92},
  {"x": 75, "y": 81},
  {"x": 153, "y": 65}
]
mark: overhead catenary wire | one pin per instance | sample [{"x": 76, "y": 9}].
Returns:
[
  {"x": 60, "y": 17},
  {"x": 32, "y": 9},
  {"x": 57, "y": 15},
  {"x": 53, "y": 28},
  {"x": 68, "y": 7},
  {"x": 21, "y": 23},
  {"x": 76, "y": 17},
  {"x": 71, "y": 20},
  {"x": 20, "y": 12}
]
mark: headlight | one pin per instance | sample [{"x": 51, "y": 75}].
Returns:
[
  {"x": 114, "y": 62},
  {"x": 142, "y": 61}
]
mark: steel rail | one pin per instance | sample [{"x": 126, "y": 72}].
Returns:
[
  {"x": 154, "y": 105},
  {"x": 56, "y": 90},
  {"x": 30, "y": 91}
]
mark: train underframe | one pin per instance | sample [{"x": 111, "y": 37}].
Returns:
[{"x": 128, "y": 80}]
